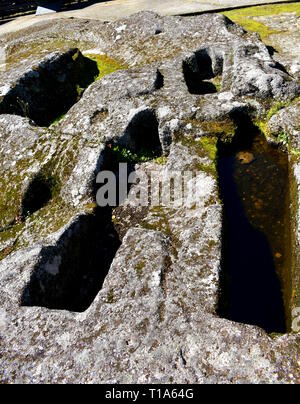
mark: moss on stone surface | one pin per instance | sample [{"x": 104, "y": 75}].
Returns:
[
  {"x": 110, "y": 297},
  {"x": 224, "y": 128},
  {"x": 246, "y": 17},
  {"x": 139, "y": 268},
  {"x": 217, "y": 82},
  {"x": 38, "y": 49},
  {"x": 163, "y": 50},
  {"x": 142, "y": 156},
  {"x": 262, "y": 123},
  {"x": 37, "y": 226},
  {"x": 271, "y": 9},
  {"x": 202, "y": 147},
  {"x": 12, "y": 185},
  {"x": 106, "y": 65},
  {"x": 161, "y": 160},
  {"x": 205, "y": 147},
  {"x": 159, "y": 221},
  {"x": 52, "y": 160}
]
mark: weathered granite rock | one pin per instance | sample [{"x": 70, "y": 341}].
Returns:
[
  {"x": 19, "y": 163},
  {"x": 287, "y": 121},
  {"x": 50, "y": 88},
  {"x": 284, "y": 127},
  {"x": 130, "y": 294},
  {"x": 256, "y": 73},
  {"x": 286, "y": 27}
]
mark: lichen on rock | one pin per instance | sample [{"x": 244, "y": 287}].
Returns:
[{"x": 130, "y": 294}]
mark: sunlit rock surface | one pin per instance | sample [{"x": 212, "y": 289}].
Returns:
[{"x": 141, "y": 308}]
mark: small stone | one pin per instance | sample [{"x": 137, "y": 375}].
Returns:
[{"x": 245, "y": 157}]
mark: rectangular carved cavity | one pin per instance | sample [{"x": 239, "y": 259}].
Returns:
[
  {"x": 70, "y": 274},
  {"x": 200, "y": 70},
  {"x": 48, "y": 91},
  {"x": 254, "y": 187}
]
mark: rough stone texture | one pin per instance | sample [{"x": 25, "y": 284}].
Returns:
[
  {"x": 18, "y": 140},
  {"x": 114, "y": 10},
  {"x": 154, "y": 317},
  {"x": 286, "y": 124},
  {"x": 255, "y": 74},
  {"x": 287, "y": 120},
  {"x": 287, "y": 25},
  {"x": 61, "y": 77}
]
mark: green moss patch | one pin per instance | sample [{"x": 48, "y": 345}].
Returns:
[
  {"x": 224, "y": 128},
  {"x": 245, "y": 17},
  {"x": 262, "y": 124},
  {"x": 139, "y": 268},
  {"x": 106, "y": 65},
  {"x": 26, "y": 225},
  {"x": 205, "y": 147},
  {"x": 159, "y": 221},
  {"x": 142, "y": 156},
  {"x": 39, "y": 49}
]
